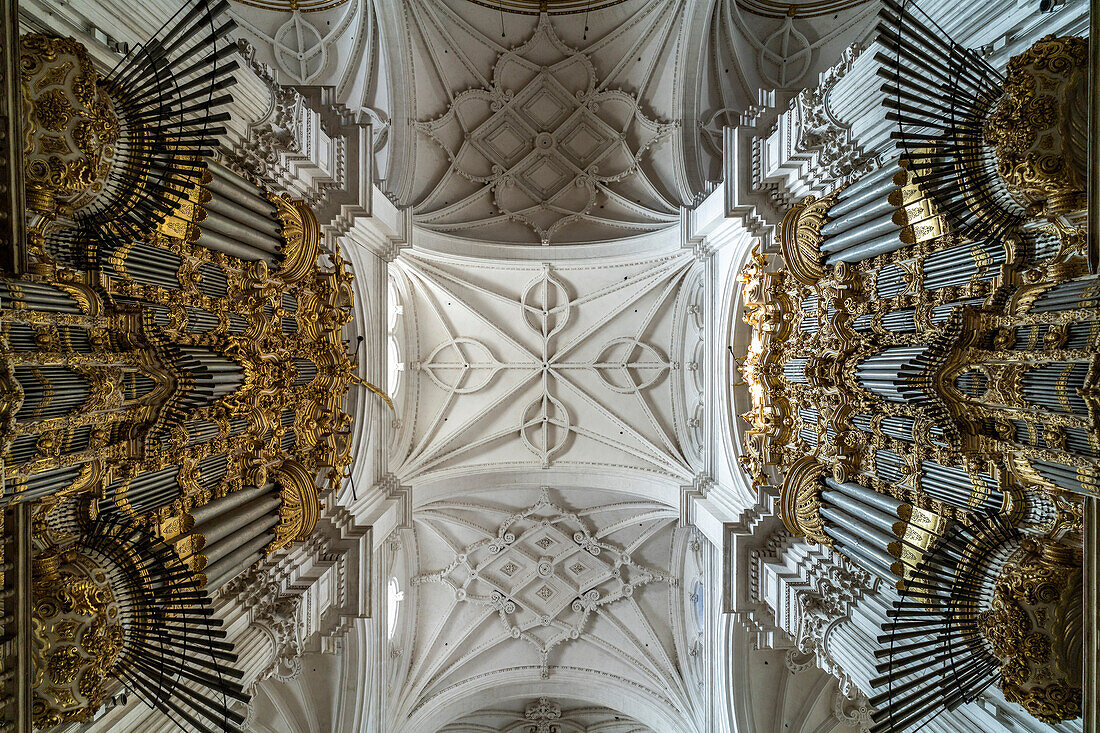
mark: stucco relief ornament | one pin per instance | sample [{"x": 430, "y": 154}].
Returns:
[
  {"x": 545, "y": 573},
  {"x": 543, "y": 712},
  {"x": 853, "y": 708},
  {"x": 274, "y": 613},
  {"x": 819, "y": 130},
  {"x": 277, "y": 132},
  {"x": 547, "y": 146}
]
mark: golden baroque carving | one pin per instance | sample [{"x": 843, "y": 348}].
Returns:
[
  {"x": 1035, "y": 629},
  {"x": 800, "y": 237},
  {"x": 302, "y": 235},
  {"x": 769, "y": 417},
  {"x": 69, "y": 126},
  {"x": 300, "y": 509},
  {"x": 800, "y": 501},
  {"x": 77, "y": 638},
  {"x": 1039, "y": 126}
]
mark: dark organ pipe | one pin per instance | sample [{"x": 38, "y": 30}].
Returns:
[
  {"x": 236, "y": 196},
  {"x": 267, "y": 223},
  {"x": 234, "y": 248},
  {"x": 227, "y": 503},
  {"x": 232, "y": 565}
]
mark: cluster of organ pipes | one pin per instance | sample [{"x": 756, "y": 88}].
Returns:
[
  {"x": 925, "y": 373},
  {"x": 173, "y": 374}
]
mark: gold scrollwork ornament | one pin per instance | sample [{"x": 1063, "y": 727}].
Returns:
[
  {"x": 1035, "y": 629},
  {"x": 1039, "y": 126},
  {"x": 77, "y": 639},
  {"x": 70, "y": 128}
]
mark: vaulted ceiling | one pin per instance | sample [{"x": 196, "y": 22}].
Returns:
[
  {"x": 535, "y": 131},
  {"x": 511, "y": 593},
  {"x": 550, "y": 329},
  {"x": 547, "y": 716},
  {"x": 520, "y": 366}
]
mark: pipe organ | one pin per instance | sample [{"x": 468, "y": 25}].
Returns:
[
  {"x": 173, "y": 372},
  {"x": 924, "y": 373}
]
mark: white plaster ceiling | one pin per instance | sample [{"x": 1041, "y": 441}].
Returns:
[
  {"x": 550, "y": 134},
  {"x": 533, "y": 591},
  {"x": 528, "y": 366},
  {"x": 307, "y": 702},
  {"x": 755, "y": 63},
  {"x": 795, "y": 698},
  {"x": 547, "y": 716}
]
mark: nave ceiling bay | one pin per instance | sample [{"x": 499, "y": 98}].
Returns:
[
  {"x": 551, "y": 134},
  {"x": 580, "y": 366},
  {"x": 524, "y": 591}
]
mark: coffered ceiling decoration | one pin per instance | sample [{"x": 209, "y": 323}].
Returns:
[
  {"x": 565, "y": 130},
  {"x": 531, "y": 366},
  {"x": 547, "y": 716},
  {"x": 542, "y": 588}
]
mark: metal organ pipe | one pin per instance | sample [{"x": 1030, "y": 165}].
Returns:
[
  {"x": 230, "y": 566},
  {"x": 241, "y": 232},
  {"x": 233, "y": 247},
  {"x": 871, "y": 187},
  {"x": 881, "y": 206},
  {"x": 856, "y": 547},
  {"x": 872, "y": 230},
  {"x": 266, "y": 222},
  {"x": 227, "y": 503},
  {"x": 238, "y": 521},
  {"x": 246, "y": 533},
  {"x": 861, "y": 493}
]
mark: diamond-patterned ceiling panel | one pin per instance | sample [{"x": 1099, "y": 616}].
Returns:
[
  {"x": 552, "y": 599},
  {"x": 549, "y": 148}
]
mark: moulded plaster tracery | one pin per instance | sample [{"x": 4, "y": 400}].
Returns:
[
  {"x": 544, "y": 573},
  {"x": 547, "y": 715},
  {"x": 539, "y": 366},
  {"x": 571, "y": 584},
  {"x": 301, "y": 35},
  {"x": 544, "y": 144}
]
